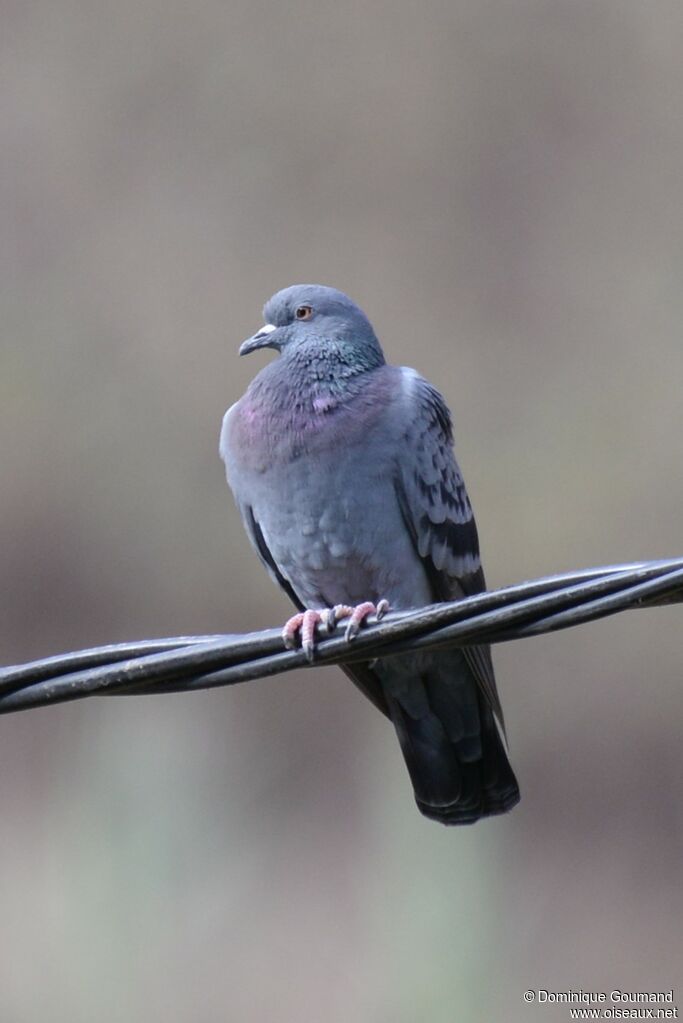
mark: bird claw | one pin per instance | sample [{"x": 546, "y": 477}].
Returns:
[
  {"x": 304, "y": 624},
  {"x": 359, "y": 614}
]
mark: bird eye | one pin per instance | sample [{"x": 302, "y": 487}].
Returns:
[{"x": 303, "y": 312}]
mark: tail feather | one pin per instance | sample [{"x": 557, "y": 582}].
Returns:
[
  {"x": 453, "y": 748},
  {"x": 448, "y": 788}
]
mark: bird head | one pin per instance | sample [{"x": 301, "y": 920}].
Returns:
[{"x": 315, "y": 318}]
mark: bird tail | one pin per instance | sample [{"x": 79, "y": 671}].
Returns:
[{"x": 452, "y": 747}]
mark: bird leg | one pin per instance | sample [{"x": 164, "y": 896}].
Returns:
[
  {"x": 305, "y": 623},
  {"x": 357, "y": 615}
]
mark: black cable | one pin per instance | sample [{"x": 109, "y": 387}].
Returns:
[{"x": 187, "y": 663}]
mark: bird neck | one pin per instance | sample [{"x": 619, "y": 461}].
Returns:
[
  {"x": 314, "y": 380},
  {"x": 289, "y": 411}
]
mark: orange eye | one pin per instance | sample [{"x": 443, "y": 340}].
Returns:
[{"x": 303, "y": 312}]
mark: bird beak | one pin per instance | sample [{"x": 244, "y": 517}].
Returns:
[{"x": 264, "y": 339}]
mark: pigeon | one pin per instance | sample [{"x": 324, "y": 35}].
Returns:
[{"x": 343, "y": 470}]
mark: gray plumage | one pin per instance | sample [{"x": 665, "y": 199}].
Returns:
[{"x": 343, "y": 470}]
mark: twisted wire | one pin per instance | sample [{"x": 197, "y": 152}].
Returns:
[{"x": 187, "y": 663}]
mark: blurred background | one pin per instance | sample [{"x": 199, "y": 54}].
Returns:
[{"x": 499, "y": 186}]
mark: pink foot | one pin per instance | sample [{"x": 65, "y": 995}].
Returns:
[
  {"x": 358, "y": 614},
  {"x": 305, "y": 623}
]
